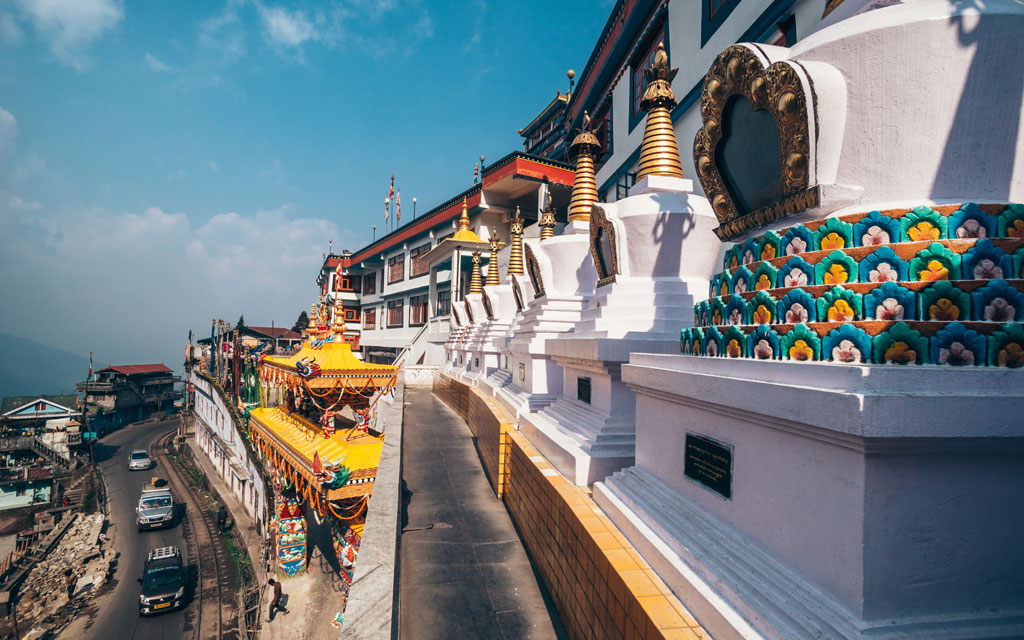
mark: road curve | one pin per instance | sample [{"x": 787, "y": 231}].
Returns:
[{"x": 117, "y": 613}]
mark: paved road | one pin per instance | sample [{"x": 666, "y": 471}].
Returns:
[
  {"x": 117, "y": 613},
  {"x": 464, "y": 572}
]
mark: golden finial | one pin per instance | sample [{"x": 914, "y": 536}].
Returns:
[
  {"x": 584, "y": 187},
  {"x": 547, "y": 225},
  {"x": 659, "y": 153},
  {"x": 464, "y": 218},
  {"x": 515, "y": 257},
  {"x": 475, "y": 282},
  {"x": 492, "y": 266},
  {"x": 338, "y": 326}
]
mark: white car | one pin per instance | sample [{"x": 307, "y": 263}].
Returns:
[{"x": 139, "y": 459}]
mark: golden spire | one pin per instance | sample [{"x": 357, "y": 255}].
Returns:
[
  {"x": 464, "y": 218},
  {"x": 515, "y": 258},
  {"x": 338, "y": 326},
  {"x": 475, "y": 282},
  {"x": 584, "y": 188},
  {"x": 659, "y": 153},
  {"x": 492, "y": 266}
]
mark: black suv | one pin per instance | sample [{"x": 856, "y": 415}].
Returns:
[{"x": 163, "y": 581}]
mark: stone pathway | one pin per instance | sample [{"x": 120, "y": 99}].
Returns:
[{"x": 464, "y": 572}]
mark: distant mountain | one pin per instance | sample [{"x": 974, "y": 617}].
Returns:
[{"x": 28, "y": 368}]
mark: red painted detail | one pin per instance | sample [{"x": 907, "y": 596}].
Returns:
[{"x": 133, "y": 369}]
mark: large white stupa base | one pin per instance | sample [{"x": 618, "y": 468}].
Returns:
[{"x": 813, "y": 500}]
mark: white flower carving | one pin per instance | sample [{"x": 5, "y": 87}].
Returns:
[
  {"x": 763, "y": 350},
  {"x": 971, "y": 229},
  {"x": 956, "y": 353},
  {"x": 883, "y": 273},
  {"x": 846, "y": 351},
  {"x": 795, "y": 278},
  {"x": 796, "y": 246},
  {"x": 741, "y": 286},
  {"x": 890, "y": 309},
  {"x": 999, "y": 310},
  {"x": 987, "y": 269},
  {"x": 796, "y": 314},
  {"x": 875, "y": 235},
  {"x": 735, "y": 317}
]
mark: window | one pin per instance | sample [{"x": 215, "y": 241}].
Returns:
[
  {"x": 352, "y": 340},
  {"x": 370, "y": 318},
  {"x": 369, "y": 284},
  {"x": 417, "y": 265},
  {"x": 396, "y": 268},
  {"x": 713, "y": 14},
  {"x": 395, "y": 318},
  {"x": 20, "y": 490},
  {"x": 639, "y": 83},
  {"x": 601, "y": 125},
  {"x": 443, "y": 238},
  {"x": 343, "y": 283},
  {"x": 444, "y": 303},
  {"x": 351, "y": 314},
  {"x": 622, "y": 185},
  {"x": 417, "y": 310}
]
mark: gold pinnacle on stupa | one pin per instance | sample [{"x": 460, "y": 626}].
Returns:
[
  {"x": 659, "y": 153},
  {"x": 515, "y": 257},
  {"x": 475, "y": 281},
  {"x": 492, "y": 265},
  {"x": 338, "y": 326},
  {"x": 584, "y": 148},
  {"x": 464, "y": 218},
  {"x": 547, "y": 219}
]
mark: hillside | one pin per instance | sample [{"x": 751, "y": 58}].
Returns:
[{"x": 28, "y": 368}]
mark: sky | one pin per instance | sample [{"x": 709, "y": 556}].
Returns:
[{"x": 166, "y": 163}]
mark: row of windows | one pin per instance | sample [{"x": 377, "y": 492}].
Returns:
[{"x": 418, "y": 311}]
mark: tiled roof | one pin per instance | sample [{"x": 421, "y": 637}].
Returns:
[
  {"x": 135, "y": 369},
  {"x": 277, "y": 332}
]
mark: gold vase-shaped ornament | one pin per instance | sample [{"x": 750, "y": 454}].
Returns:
[
  {"x": 659, "y": 152},
  {"x": 584, "y": 148}
]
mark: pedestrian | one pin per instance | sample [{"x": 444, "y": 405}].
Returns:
[
  {"x": 69, "y": 582},
  {"x": 276, "y": 603},
  {"x": 222, "y": 518}
]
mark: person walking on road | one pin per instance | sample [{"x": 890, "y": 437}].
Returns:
[
  {"x": 222, "y": 518},
  {"x": 276, "y": 603},
  {"x": 69, "y": 582}
]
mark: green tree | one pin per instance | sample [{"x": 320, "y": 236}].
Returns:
[
  {"x": 302, "y": 322},
  {"x": 241, "y": 322}
]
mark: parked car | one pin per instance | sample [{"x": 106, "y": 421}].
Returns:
[
  {"x": 156, "y": 507},
  {"x": 139, "y": 460},
  {"x": 163, "y": 581}
]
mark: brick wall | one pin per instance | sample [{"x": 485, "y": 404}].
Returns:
[
  {"x": 452, "y": 392},
  {"x": 489, "y": 421},
  {"x": 601, "y": 586}
]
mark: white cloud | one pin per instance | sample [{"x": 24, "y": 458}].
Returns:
[
  {"x": 213, "y": 166},
  {"x": 176, "y": 177},
  {"x": 28, "y": 167},
  {"x": 10, "y": 32},
  {"x": 11, "y": 202},
  {"x": 284, "y": 28},
  {"x": 155, "y": 64},
  {"x": 261, "y": 264},
  {"x": 72, "y": 25},
  {"x": 223, "y": 35},
  {"x": 8, "y": 132}
]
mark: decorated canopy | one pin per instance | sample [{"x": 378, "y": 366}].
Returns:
[{"x": 296, "y": 446}]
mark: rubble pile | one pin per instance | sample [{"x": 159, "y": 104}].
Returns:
[{"x": 42, "y": 598}]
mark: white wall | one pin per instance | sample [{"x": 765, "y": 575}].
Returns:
[{"x": 213, "y": 416}]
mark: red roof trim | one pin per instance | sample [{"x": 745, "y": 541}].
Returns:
[
  {"x": 133, "y": 369},
  {"x": 518, "y": 166}
]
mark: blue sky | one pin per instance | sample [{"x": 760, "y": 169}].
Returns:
[{"x": 163, "y": 163}]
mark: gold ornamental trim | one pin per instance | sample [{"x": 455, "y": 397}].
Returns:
[
  {"x": 599, "y": 223},
  {"x": 492, "y": 266},
  {"x": 738, "y": 71}
]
